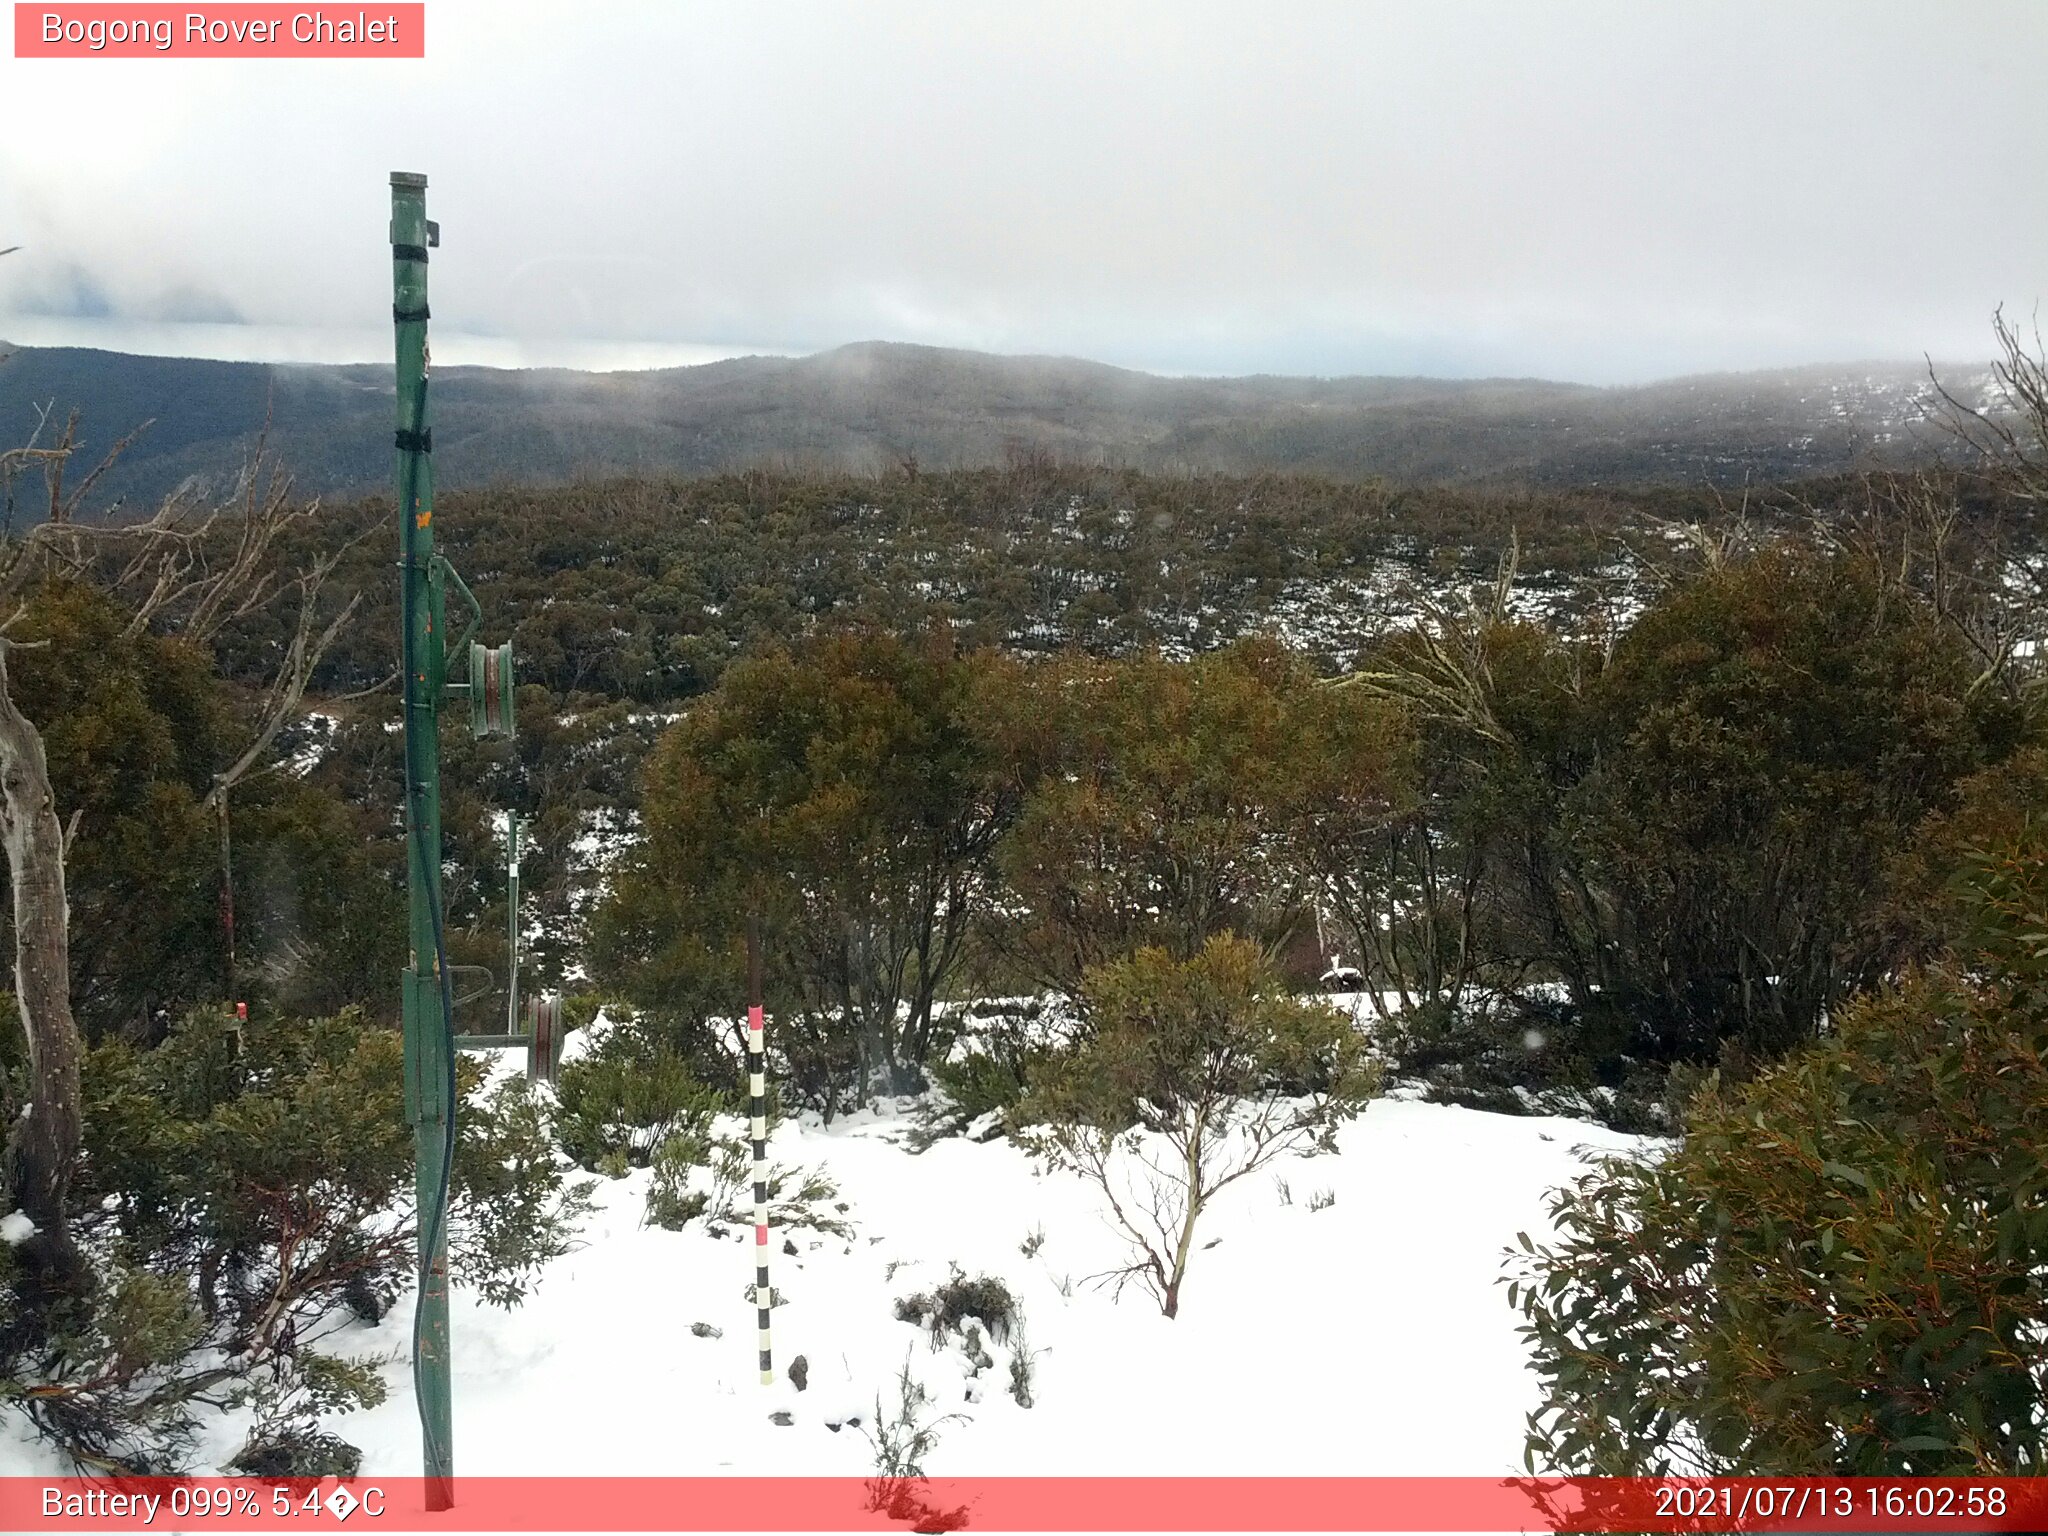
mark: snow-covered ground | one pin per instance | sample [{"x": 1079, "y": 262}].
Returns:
[{"x": 1367, "y": 1337}]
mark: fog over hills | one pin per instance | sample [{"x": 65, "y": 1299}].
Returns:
[{"x": 875, "y": 405}]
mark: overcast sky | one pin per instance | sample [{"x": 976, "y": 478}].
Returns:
[{"x": 1600, "y": 192}]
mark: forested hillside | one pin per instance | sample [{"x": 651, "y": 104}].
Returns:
[{"x": 875, "y": 407}]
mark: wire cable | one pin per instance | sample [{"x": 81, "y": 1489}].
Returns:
[{"x": 434, "y": 1218}]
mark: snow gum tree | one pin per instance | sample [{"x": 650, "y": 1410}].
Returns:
[
  {"x": 1166, "y": 802},
  {"x": 839, "y": 793},
  {"x": 1197, "y": 1073},
  {"x": 1844, "y": 1267}
]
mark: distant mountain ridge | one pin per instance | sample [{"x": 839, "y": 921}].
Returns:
[{"x": 873, "y": 406}]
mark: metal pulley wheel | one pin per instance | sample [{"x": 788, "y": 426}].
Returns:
[
  {"x": 490, "y": 689},
  {"x": 544, "y": 1031}
]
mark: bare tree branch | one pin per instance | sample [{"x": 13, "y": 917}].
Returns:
[
  {"x": 2011, "y": 438},
  {"x": 186, "y": 569}
]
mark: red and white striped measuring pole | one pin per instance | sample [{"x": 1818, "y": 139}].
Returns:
[{"x": 757, "y": 1091}]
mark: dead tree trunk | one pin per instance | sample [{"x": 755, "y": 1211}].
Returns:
[
  {"x": 287, "y": 689},
  {"x": 43, "y": 1143},
  {"x": 227, "y": 900}
]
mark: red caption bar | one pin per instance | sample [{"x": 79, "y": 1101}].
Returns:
[
  {"x": 382, "y": 31},
  {"x": 1031, "y": 1504}
]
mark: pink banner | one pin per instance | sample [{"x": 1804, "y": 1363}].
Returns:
[
  {"x": 1032, "y": 1504},
  {"x": 218, "y": 32}
]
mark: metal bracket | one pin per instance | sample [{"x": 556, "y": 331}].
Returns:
[{"x": 476, "y": 609}]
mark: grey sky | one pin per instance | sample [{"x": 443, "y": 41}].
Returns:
[{"x": 1590, "y": 191}]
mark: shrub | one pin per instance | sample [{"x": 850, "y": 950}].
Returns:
[
  {"x": 694, "y": 1173},
  {"x": 516, "y": 1207},
  {"x": 248, "y": 1188},
  {"x": 1159, "y": 797},
  {"x": 1922, "y": 913},
  {"x": 803, "y": 1198},
  {"x": 1479, "y": 1058},
  {"x": 1023, "y": 1365},
  {"x": 298, "y": 1452},
  {"x": 697, "y": 1174},
  {"x": 980, "y": 1082},
  {"x": 1604, "y": 804},
  {"x": 628, "y": 1097},
  {"x": 1211, "y": 1058},
  {"x": 286, "y": 1440},
  {"x": 839, "y": 794},
  {"x": 1844, "y": 1269},
  {"x": 1528, "y": 1056},
  {"x": 817, "y": 1064},
  {"x": 901, "y": 1441},
  {"x": 992, "y": 1070},
  {"x": 946, "y": 1308}
]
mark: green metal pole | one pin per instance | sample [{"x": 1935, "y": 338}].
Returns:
[{"x": 429, "y": 1050}]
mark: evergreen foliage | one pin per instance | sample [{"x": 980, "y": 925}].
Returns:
[
  {"x": 1164, "y": 803},
  {"x": 629, "y": 1095},
  {"x": 946, "y": 1309},
  {"x": 136, "y": 726},
  {"x": 247, "y": 1187},
  {"x": 646, "y": 590},
  {"x": 1687, "y": 827},
  {"x": 1840, "y": 1270},
  {"x": 701, "y": 1174},
  {"x": 996, "y": 732},
  {"x": 838, "y": 794},
  {"x": 1198, "y": 1073},
  {"x": 991, "y": 1071}
]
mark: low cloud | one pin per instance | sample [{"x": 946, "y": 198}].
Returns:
[{"x": 1595, "y": 191}]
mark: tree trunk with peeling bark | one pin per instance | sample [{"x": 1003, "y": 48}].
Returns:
[{"x": 43, "y": 1143}]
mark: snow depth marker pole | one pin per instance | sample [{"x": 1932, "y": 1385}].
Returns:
[{"x": 757, "y": 1090}]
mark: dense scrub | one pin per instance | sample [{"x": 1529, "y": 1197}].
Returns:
[
  {"x": 248, "y": 1190},
  {"x": 1021, "y": 736},
  {"x": 1568, "y": 860},
  {"x": 1841, "y": 1268},
  {"x": 646, "y": 590},
  {"x": 1686, "y": 826}
]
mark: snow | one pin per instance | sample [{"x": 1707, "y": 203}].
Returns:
[
  {"x": 320, "y": 728},
  {"x": 16, "y": 1228},
  {"x": 1368, "y": 1337}
]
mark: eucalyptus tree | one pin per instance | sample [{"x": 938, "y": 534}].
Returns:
[{"x": 191, "y": 569}]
